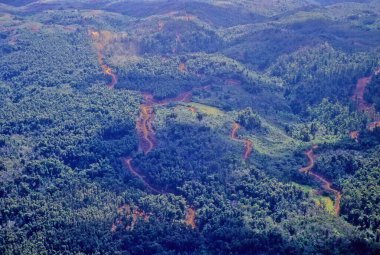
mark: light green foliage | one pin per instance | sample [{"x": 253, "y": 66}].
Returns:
[{"x": 284, "y": 70}]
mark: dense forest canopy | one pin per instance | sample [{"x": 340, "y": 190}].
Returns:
[{"x": 189, "y": 127}]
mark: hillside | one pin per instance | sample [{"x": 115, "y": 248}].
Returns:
[{"x": 189, "y": 127}]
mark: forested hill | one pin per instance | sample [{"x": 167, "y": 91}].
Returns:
[{"x": 189, "y": 127}]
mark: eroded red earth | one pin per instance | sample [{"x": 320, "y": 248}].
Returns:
[
  {"x": 248, "y": 144},
  {"x": 133, "y": 214},
  {"x": 192, "y": 109},
  {"x": 144, "y": 124},
  {"x": 100, "y": 44},
  {"x": 326, "y": 184},
  {"x": 362, "y": 105},
  {"x": 190, "y": 217},
  {"x": 147, "y": 141},
  {"x": 135, "y": 172}
]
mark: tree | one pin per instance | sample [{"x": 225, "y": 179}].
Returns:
[{"x": 249, "y": 119}]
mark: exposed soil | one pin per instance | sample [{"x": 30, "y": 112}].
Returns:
[
  {"x": 134, "y": 171},
  {"x": 192, "y": 109},
  {"x": 326, "y": 185},
  {"x": 144, "y": 124},
  {"x": 355, "y": 135},
  {"x": 99, "y": 45},
  {"x": 134, "y": 214},
  {"x": 161, "y": 25},
  {"x": 362, "y": 105},
  {"x": 190, "y": 212},
  {"x": 147, "y": 141},
  {"x": 248, "y": 144},
  {"x": 359, "y": 93},
  {"x": 182, "y": 67},
  {"x": 373, "y": 125},
  {"x": 145, "y": 129},
  {"x": 190, "y": 218}
]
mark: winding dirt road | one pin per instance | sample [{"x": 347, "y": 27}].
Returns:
[
  {"x": 248, "y": 144},
  {"x": 190, "y": 216},
  {"x": 108, "y": 71},
  {"x": 99, "y": 46},
  {"x": 128, "y": 164},
  {"x": 145, "y": 129},
  {"x": 359, "y": 93},
  {"x": 362, "y": 105},
  {"x": 147, "y": 141},
  {"x": 144, "y": 124},
  {"x": 326, "y": 185}
]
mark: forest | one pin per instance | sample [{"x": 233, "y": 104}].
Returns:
[{"x": 190, "y": 127}]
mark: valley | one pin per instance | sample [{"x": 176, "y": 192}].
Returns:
[{"x": 189, "y": 127}]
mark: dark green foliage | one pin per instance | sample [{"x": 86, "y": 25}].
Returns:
[
  {"x": 312, "y": 74},
  {"x": 248, "y": 119},
  {"x": 284, "y": 70},
  {"x": 198, "y": 155},
  {"x": 353, "y": 168},
  {"x": 372, "y": 94},
  {"x": 260, "y": 49},
  {"x": 181, "y": 37},
  {"x": 329, "y": 119},
  {"x": 164, "y": 79},
  {"x": 27, "y": 63},
  {"x": 338, "y": 164},
  {"x": 360, "y": 203}
]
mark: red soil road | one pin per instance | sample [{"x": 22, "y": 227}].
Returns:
[
  {"x": 248, "y": 144},
  {"x": 148, "y": 141},
  {"x": 128, "y": 164},
  {"x": 190, "y": 212},
  {"x": 362, "y": 104},
  {"x": 145, "y": 129},
  {"x": 326, "y": 185},
  {"x": 144, "y": 123},
  {"x": 106, "y": 69},
  {"x": 359, "y": 93}
]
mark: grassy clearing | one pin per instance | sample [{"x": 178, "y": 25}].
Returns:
[
  {"x": 210, "y": 110},
  {"x": 321, "y": 201}
]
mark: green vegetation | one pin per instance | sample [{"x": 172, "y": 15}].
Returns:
[
  {"x": 27, "y": 63},
  {"x": 226, "y": 77},
  {"x": 328, "y": 120},
  {"x": 372, "y": 94},
  {"x": 321, "y": 72},
  {"x": 248, "y": 119}
]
